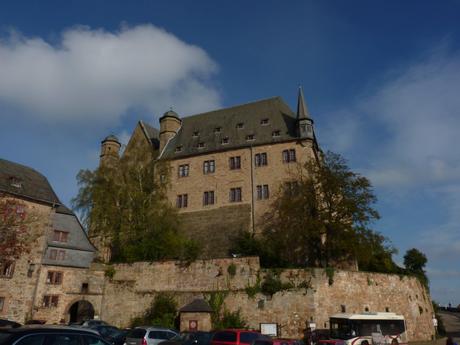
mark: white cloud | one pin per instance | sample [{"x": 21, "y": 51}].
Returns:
[{"x": 98, "y": 75}]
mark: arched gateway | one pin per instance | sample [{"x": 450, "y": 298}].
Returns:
[{"x": 80, "y": 311}]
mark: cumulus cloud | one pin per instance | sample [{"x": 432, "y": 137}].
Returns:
[
  {"x": 100, "y": 75},
  {"x": 404, "y": 137}
]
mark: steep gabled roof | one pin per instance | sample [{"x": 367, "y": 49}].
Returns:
[
  {"x": 26, "y": 182},
  {"x": 152, "y": 134},
  {"x": 203, "y": 133}
]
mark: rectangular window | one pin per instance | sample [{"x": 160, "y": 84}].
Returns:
[
  {"x": 54, "y": 278},
  {"x": 182, "y": 201},
  {"x": 55, "y": 254},
  {"x": 276, "y": 134},
  {"x": 208, "y": 198},
  {"x": 289, "y": 156},
  {"x": 209, "y": 167},
  {"x": 264, "y": 122},
  {"x": 235, "y": 163},
  {"x": 262, "y": 192},
  {"x": 235, "y": 194},
  {"x": 50, "y": 301},
  {"x": 183, "y": 170},
  {"x": 6, "y": 269},
  {"x": 224, "y": 141},
  {"x": 261, "y": 159},
  {"x": 60, "y": 236},
  {"x": 2, "y": 303},
  {"x": 291, "y": 188}
]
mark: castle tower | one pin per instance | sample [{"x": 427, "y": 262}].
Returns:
[
  {"x": 169, "y": 125},
  {"x": 304, "y": 121},
  {"x": 110, "y": 151}
]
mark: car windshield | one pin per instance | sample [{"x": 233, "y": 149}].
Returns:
[{"x": 347, "y": 329}]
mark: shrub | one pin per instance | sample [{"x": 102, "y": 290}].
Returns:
[
  {"x": 110, "y": 272},
  {"x": 231, "y": 269},
  {"x": 162, "y": 312}
]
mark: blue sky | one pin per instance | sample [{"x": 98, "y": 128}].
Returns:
[{"x": 381, "y": 78}]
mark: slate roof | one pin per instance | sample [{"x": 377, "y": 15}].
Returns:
[
  {"x": 197, "y": 306},
  {"x": 23, "y": 181},
  {"x": 203, "y": 133},
  {"x": 152, "y": 134}
]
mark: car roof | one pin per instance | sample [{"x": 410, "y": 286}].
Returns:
[
  {"x": 47, "y": 328},
  {"x": 154, "y": 328}
]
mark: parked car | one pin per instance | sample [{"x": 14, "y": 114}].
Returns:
[
  {"x": 50, "y": 335},
  {"x": 8, "y": 324},
  {"x": 237, "y": 337},
  {"x": 190, "y": 338},
  {"x": 112, "y": 334},
  {"x": 92, "y": 323},
  {"x": 147, "y": 335}
]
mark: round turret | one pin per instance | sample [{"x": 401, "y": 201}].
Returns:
[
  {"x": 110, "y": 150},
  {"x": 169, "y": 125}
]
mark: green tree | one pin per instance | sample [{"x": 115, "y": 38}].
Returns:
[
  {"x": 125, "y": 206},
  {"x": 414, "y": 262},
  {"x": 319, "y": 218},
  {"x": 162, "y": 312}
]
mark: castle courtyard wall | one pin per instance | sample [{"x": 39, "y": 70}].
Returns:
[{"x": 314, "y": 295}]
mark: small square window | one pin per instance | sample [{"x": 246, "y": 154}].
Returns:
[
  {"x": 217, "y": 130},
  {"x": 240, "y": 125},
  {"x": 289, "y": 156},
  {"x": 84, "y": 288},
  {"x": 224, "y": 141},
  {"x": 262, "y": 192},
  {"x": 15, "y": 182},
  {"x": 179, "y": 148},
  {"x": 183, "y": 170},
  {"x": 196, "y": 134},
  {"x": 250, "y": 137},
  {"x": 6, "y": 269},
  {"x": 261, "y": 159},
  {"x": 209, "y": 167},
  {"x": 182, "y": 201},
  {"x": 276, "y": 134},
  {"x": 235, "y": 163},
  {"x": 264, "y": 122},
  {"x": 201, "y": 145},
  {"x": 208, "y": 198},
  {"x": 235, "y": 194}
]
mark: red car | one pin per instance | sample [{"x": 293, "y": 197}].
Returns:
[{"x": 239, "y": 337}]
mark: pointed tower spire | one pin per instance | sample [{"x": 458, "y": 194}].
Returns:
[
  {"x": 302, "y": 110},
  {"x": 304, "y": 120}
]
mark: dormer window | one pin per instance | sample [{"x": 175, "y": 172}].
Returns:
[
  {"x": 15, "y": 182},
  {"x": 276, "y": 134},
  {"x": 224, "y": 141},
  {"x": 201, "y": 145},
  {"x": 196, "y": 134},
  {"x": 240, "y": 125},
  {"x": 250, "y": 137},
  {"x": 179, "y": 148},
  {"x": 264, "y": 122},
  {"x": 217, "y": 130}
]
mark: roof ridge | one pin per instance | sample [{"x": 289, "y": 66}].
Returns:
[{"x": 236, "y": 106}]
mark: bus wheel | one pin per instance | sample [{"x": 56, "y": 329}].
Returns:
[
  {"x": 365, "y": 342},
  {"x": 394, "y": 342}
]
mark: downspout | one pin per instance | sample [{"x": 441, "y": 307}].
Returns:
[{"x": 252, "y": 191}]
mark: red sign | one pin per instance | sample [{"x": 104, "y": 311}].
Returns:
[{"x": 193, "y": 325}]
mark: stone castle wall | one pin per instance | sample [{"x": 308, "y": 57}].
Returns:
[{"x": 314, "y": 297}]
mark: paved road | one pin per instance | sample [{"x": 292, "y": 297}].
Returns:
[{"x": 452, "y": 324}]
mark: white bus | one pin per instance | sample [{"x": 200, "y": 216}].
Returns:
[{"x": 368, "y": 329}]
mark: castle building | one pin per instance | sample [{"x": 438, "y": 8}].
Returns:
[
  {"x": 226, "y": 165},
  {"x": 51, "y": 277}
]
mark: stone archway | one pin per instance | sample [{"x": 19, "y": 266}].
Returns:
[{"x": 80, "y": 311}]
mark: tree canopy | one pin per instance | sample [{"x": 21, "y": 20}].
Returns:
[
  {"x": 126, "y": 207},
  {"x": 321, "y": 217},
  {"x": 414, "y": 262}
]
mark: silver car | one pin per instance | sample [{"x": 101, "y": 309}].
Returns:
[{"x": 147, "y": 335}]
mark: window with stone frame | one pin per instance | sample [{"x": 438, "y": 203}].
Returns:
[
  {"x": 208, "y": 198},
  {"x": 262, "y": 192},
  {"x": 60, "y": 236},
  {"x": 291, "y": 188},
  {"x": 289, "y": 156},
  {"x": 54, "y": 277},
  {"x": 55, "y": 254},
  {"x": 182, "y": 201},
  {"x": 2, "y": 303},
  {"x": 183, "y": 170},
  {"x": 260, "y": 159},
  {"x": 50, "y": 301},
  {"x": 235, "y": 163},
  {"x": 209, "y": 167},
  {"x": 235, "y": 194},
  {"x": 6, "y": 269}
]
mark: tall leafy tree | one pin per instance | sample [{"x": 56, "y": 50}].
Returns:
[
  {"x": 16, "y": 235},
  {"x": 322, "y": 217},
  {"x": 126, "y": 207},
  {"x": 415, "y": 262}
]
